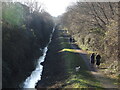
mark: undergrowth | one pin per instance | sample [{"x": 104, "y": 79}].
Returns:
[{"x": 81, "y": 79}]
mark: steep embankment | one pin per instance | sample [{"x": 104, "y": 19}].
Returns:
[
  {"x": 23, "y": 34},
  {"x": 53, "y": 66},
  {"x": 59, "y": 68}
]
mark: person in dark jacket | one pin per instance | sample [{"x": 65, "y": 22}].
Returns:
[
  {"x": 98, "y": 60},
  {"x": 92, "y": 59},
  {"x": 70, "y": 39}
]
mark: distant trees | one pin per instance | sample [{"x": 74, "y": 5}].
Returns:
[
  {"x": 94, "y": 25},
  {"x": 13, "y": 13},
  {"x": 34, "y": 6},
  {"x": 23, "y": 33},
  {"x": 95, "y": 14}
]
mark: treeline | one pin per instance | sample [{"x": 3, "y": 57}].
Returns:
[
  {"x": 94, "y": 25},
  {"x": 24, "y": 32}
]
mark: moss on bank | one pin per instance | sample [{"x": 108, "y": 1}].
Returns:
[{"x": 23, "y": 34}]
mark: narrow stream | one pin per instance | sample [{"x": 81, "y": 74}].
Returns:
[{"x": 35, "y": 76}]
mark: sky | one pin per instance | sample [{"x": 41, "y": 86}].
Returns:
[
  {"x": 56, "y": 7},
  {"x": 53, "y": 7}
]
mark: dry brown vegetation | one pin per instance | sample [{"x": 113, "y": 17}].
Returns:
[{"x": 94, "y": 25}]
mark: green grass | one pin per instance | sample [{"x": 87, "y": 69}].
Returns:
[{"x": 81, "y": 79}]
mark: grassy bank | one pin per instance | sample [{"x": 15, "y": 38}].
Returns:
[{"x": 82, "y": 78}]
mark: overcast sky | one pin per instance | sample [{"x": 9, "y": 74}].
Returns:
[{"x": 56, "y": 7}]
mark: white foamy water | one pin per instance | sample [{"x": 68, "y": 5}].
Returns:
[{"x": 35, "y": 76}]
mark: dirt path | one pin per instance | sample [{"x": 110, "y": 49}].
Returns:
[
  {"x": 106, "y": 83},
  {"x": 54, "y": 72}
]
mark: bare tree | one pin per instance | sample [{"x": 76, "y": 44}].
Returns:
[{"x": 34, "y": 5}]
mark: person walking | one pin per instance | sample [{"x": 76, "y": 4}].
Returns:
[
  {"x": 92, "y": 59},
  {"x": 98, "y": 60},
  {"x": 70, "y": 39}
]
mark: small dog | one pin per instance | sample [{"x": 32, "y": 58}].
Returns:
[{"x": 77, "y": 68}]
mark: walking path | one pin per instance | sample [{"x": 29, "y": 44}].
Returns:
[
  {"x": 106, "y": 83},
  {"x": 54, "y": 72}
]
